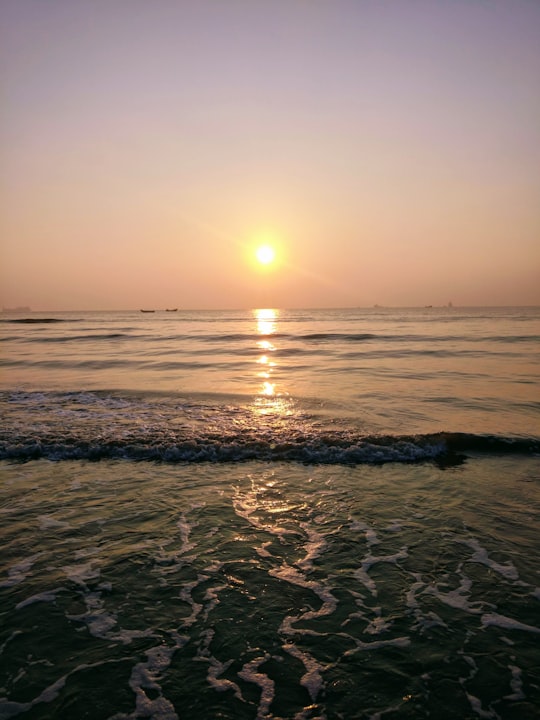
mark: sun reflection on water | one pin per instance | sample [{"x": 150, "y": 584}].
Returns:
[
  {"x": 269, "y": 400},
  {"x": 266, "y": 320}
]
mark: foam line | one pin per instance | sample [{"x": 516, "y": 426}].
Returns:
[
  {"x": 250, "y": 673},
  {"x": 480, "y": 555},
  {"x": 507, "y": 623},
  {"x": 312, "y": 678}
]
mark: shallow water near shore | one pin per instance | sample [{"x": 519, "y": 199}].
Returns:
[{"x": 270, "y": 590}]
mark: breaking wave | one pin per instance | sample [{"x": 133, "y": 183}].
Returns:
[{"x": 316, "y": 448}]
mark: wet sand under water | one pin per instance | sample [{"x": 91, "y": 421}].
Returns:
[{"x": 270, "y": 590}]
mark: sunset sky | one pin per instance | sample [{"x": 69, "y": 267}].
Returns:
[{"x": 387, "y": 150}]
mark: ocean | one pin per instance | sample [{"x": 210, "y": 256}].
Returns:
[{"x": 270, "y": 514}]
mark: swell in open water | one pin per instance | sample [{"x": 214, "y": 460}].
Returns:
[{"x": 351, "y": 386}]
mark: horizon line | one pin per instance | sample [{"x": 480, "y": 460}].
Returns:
[{"x": 452, "y": 306}]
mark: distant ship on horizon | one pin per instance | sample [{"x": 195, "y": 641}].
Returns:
[{"x": 166, "y": 310}]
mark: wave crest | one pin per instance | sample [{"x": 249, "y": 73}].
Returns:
[{"x": 336, "y": 449}]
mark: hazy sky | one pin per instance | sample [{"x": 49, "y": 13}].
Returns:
[{"x": 390, "y": 149}]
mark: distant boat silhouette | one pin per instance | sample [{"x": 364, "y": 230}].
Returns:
[
  {"x": 148, "y": 311},
  {"x": 171, "y": 309}
]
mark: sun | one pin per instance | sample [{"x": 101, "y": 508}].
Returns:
[
  {"x": 265, "y": 254},
  {"x": 265, "y": 251}
]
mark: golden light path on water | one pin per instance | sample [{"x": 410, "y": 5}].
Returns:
[{"x": 270, "y": 399}]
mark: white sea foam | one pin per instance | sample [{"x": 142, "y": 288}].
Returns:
[
  {"x": 185, "y": 528},
  {"x": 378, "y": 624},
  {"x": 96, "y": 618},
  {"x": 100, "y": 622},
  {"x": 410, "y": 598},
  {"x": 424, "y": 620},
  {"x": 48, "y": 522},
  {"x": 250, "y": 673},
  {"x": 79, "y": 574},
  {"x": 476, "y": 705},
  {"x": 47, "y": 596},
  {"x": 50, "y": 693},
  {"x": 217, "y": 668},
  {"x": 371, "y": 535},
  {"x": 314, "y": 547},
  {"x": 362, "y": 576},
  {"x": 126, "y": 637},
  {"x": 399, "y": 642},
  {"x": 507, "y": 640},
  {"x": 480, "y": 555},
  {"x": 11, "y": 709},
  {"x": 361, "y": 573},
  {"x": 459, "y": 597},
  {"x": 211, "y": 597},
  {"x": 167, "y": 563},
  {"x": 17, "y": 573},
  {"x": 145, "y": 676},
  {"x": 262, "y": 551},
  {"x": 361, "y": 613},
  {"x": 293, "y": 576},
  {"x": 395, "y": 526},
  {"x": 185, "y": 595},
  {"x": 312, "y": 678},
  {"x": 507, "y": 623},
  {"x": 516, "y": 683}
]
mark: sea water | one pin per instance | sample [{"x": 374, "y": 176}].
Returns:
[{"x": 270, "y": 514}]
